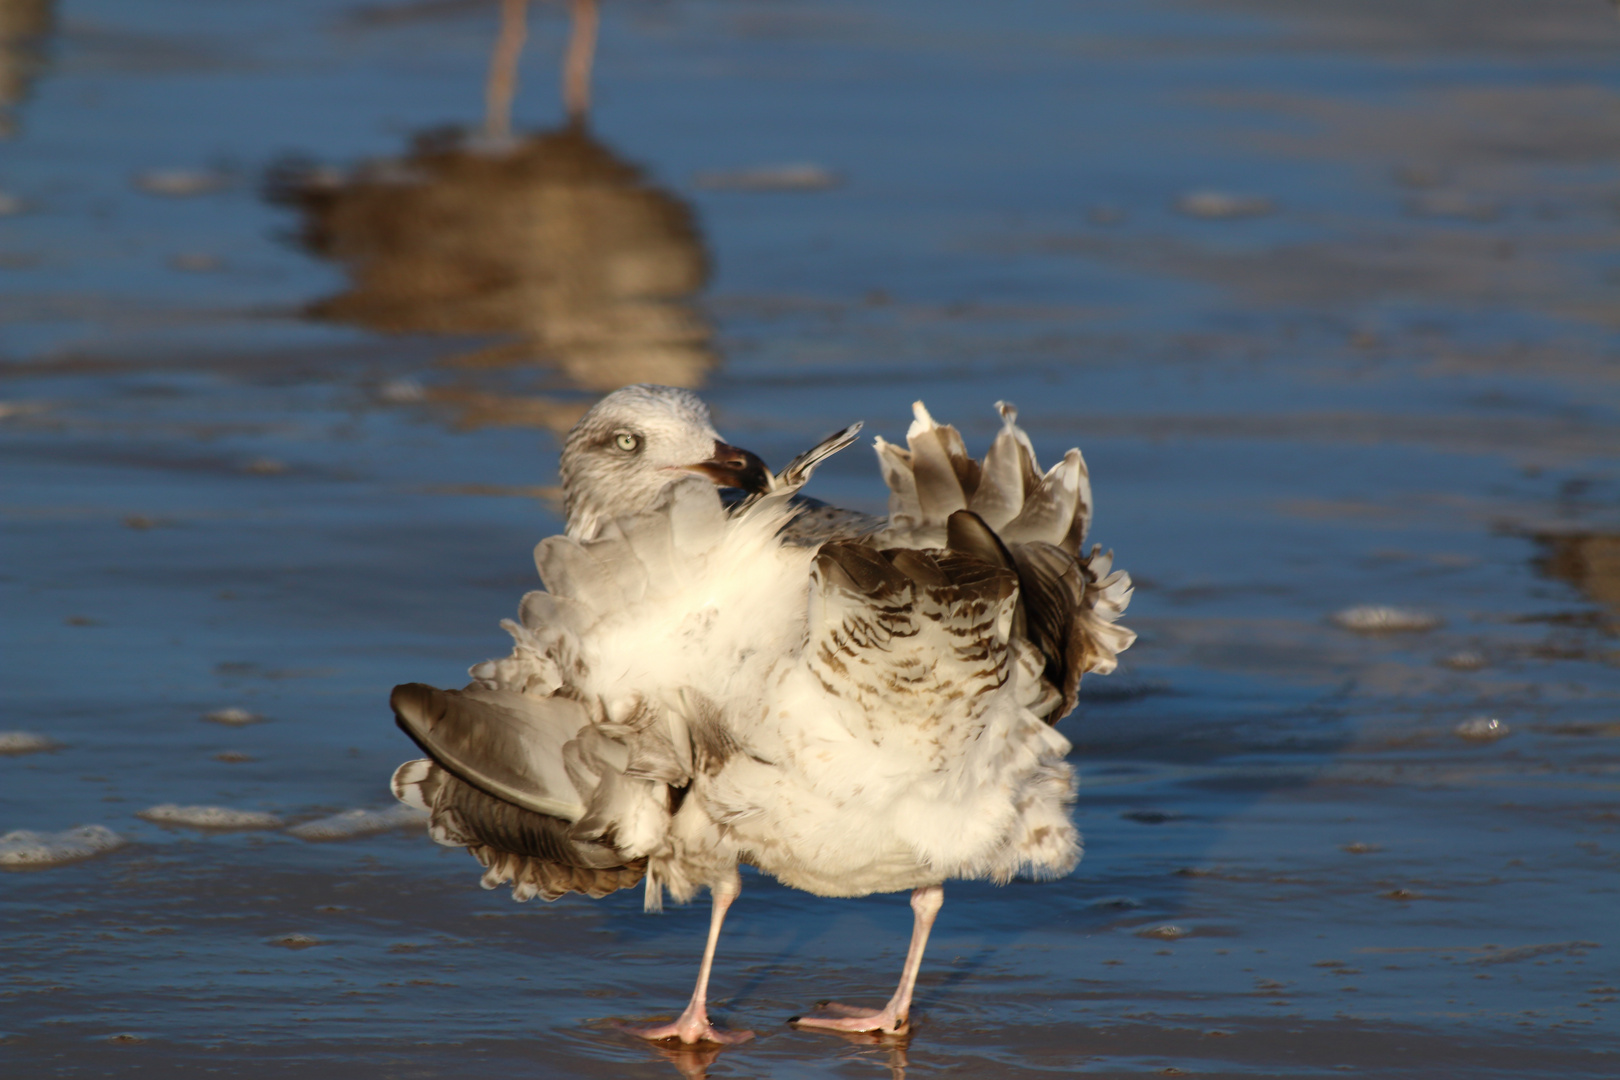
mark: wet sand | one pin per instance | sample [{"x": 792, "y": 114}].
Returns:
[{"x": 1326, "y": 294}]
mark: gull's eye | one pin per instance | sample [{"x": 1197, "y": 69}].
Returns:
[{"x": 627, "y": 442}]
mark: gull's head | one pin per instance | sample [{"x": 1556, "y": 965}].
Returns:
[{"x": 637, "y": 441}]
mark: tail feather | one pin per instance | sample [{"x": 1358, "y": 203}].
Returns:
[
  {"x": 946, "y": 477},
  {"x": 1052, "y": 597},
  {"x": 1007, "y": 473},
  {"x": 1108, "y": 593},
  {"x": 905, "y": 512},
  {"x": 1069, "y": 603},
  {"x": 1058, "y": 510},
  {"x": 935, "y": 477}
]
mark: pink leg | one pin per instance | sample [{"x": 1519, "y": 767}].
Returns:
[
  {"x": 693, "y": 1025},
  {"x": 577, "y": 64},
  {"x": 503, "y": 65},
  {"x": 893, "y": 1017}
]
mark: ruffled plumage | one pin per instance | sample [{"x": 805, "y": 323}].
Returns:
[{"x": 694, "y": 689}]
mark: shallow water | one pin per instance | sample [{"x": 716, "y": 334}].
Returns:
[{"x": 1326, "y": 292}]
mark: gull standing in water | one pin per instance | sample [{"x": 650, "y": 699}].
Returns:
[{"x": 697, "y": 689}]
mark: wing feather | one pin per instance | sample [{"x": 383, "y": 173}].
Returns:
[
  {"x": 1000, "y": 494},
  {"x": 909, "y": 634},
  {"x": 507, "y": 744}
]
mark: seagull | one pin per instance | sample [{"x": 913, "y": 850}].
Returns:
[{"x": 696, "y": 689}]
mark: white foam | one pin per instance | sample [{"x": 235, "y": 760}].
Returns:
[
  {"x": 355, "y": 823},
  {"x": 295, "y": 941},
  {"x": 1222, "y": 204},
  {"x": 178, "y": 183},
  {"x": 209, "y": 817},
  {"x": 233, "y": 716},
  {"x": 402, "y": 391},
  {"x": 1378, "y": 619},
  {"x": 23, "y": 848},
  {"x": 24, "y": 742},
  {"x": 803, "y": 176},
  {"x": 1482, "y": 729}
]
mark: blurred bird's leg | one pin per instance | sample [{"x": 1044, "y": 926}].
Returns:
[
  {"x": 501, "y": 86},
  {"x": 577, "y": 65},
  {"x": 893, "y": 1017},
  {"x": 693, "y": 1025}
]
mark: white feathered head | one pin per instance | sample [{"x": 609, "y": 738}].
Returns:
[{"x": 637, "y": 441}]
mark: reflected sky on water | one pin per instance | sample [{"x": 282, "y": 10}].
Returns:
[{"x": 292, "y": 305}]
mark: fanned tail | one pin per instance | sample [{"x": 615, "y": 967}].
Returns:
[
  {"x": 934, "y": 477},
  {"x": 1069, "y": 603}
]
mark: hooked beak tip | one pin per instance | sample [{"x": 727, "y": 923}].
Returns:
[{"x": 734, "y": 467}]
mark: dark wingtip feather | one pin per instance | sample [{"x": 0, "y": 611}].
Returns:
[
  {"x": 856, "y": 567},
  {"x": 1051, "y": 595},
  {"x": 967, "y": 532},
  {"x": 416, "y": 707}
]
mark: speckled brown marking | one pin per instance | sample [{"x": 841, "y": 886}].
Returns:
[{"x": 831, "y": 661}]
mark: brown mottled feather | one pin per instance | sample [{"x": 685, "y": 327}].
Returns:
[{"x": 1026, "y": 521}]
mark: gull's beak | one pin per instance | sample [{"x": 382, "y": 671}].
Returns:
[{"x": 732, "y": 467}]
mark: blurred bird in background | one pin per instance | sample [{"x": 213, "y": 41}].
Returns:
[{"x": 550, "y": 244}]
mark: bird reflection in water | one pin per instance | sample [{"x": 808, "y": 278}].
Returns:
[
  {"x": 693, "y": 1061},
  {"x": 24, "y": 27},
  {"x": 549, "y": 242},
  {"x": 1590, "y": 561}
]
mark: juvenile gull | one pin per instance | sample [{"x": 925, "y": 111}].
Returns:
[{"x": 694, "y": 690}]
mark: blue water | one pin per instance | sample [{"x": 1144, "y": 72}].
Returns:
[{"x": 1396, "y": 386}]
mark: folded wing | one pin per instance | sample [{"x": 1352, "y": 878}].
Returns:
[{"x": 500, "y": 780}]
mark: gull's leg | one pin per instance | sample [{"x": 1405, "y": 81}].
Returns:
[
  {"x": 503, "y": 64},
  {"x": 893, "y": 1017},
  {"x": 693, "y": 1025},
  {"x": 577, "y": 65}
]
